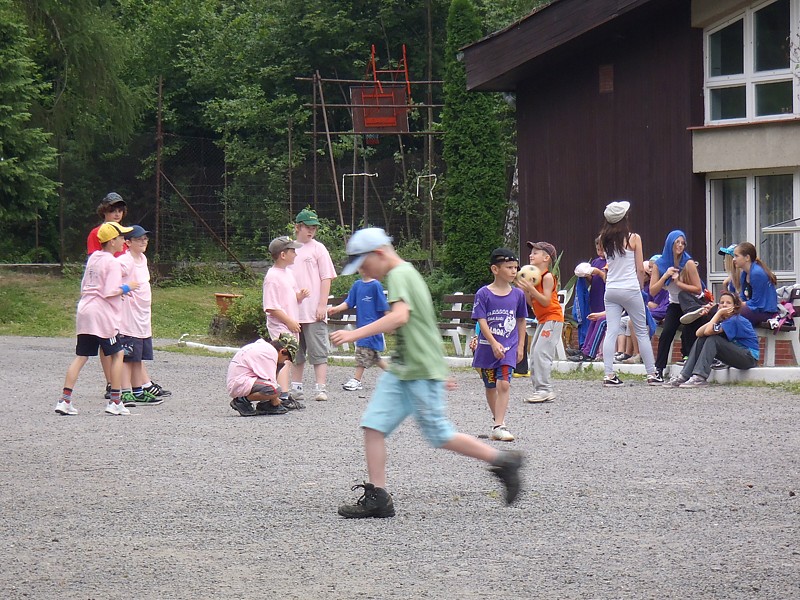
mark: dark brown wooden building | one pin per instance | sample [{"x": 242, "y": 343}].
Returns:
[{"x": 666, "y": 103}]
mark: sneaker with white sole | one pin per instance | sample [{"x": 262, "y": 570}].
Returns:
[
  {"x": 676, "y": 381},
  {"x": 540, "y": 396},
  {"x": 147, "y": 398},
  {"x": 501, "y": 434},
  {"x": 353, "y": 385},
  {"x": 693, "y": 315},
  {"x": 116, "y": 409},
  {"x": 320, "y": 394},
  {"x": 612, "y": 381},
  {"x": 655, "y": 379},
  {"x": 157, "y": 390},
  {"x": 66, "y": 408},
  {"x": 694, "y": 381}
]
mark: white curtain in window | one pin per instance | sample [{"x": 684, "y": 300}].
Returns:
[{"x": 774, "y": 204}]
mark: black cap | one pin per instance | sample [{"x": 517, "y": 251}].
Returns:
[{"x": 501, "y": 255}]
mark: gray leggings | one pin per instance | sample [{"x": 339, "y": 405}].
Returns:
[{"x": 632, "y": 302}]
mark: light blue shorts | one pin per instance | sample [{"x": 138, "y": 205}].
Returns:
[{"x": 395, "y": 399}]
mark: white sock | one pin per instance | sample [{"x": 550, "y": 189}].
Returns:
[{"x": 297, "y": 385}]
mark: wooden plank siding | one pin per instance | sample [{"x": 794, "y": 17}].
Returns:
[
  {"x": 579, "y": 149},
  {"x": 499, "y": 61}
]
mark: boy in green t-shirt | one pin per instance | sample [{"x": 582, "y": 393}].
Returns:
[{"x": 416, "y": 380}]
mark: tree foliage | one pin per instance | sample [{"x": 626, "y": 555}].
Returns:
[
  {"x": 229, "y": 70},
  {"x": 27, "y": 161},
  {"x": 475, "y": 204}
]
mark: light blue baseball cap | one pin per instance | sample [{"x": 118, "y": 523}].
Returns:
[{"x": 362, "y": 243}]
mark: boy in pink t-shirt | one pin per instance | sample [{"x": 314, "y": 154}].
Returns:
[
  {"x": 136, "y": 334},
  {"x": 282, "y": 296},
  {"x": 98, "y": 315},
  {"x": 313, "y": 270},
  {"x": 253, "y": 374}
]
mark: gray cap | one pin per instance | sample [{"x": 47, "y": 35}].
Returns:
[{"x": 279, "y": 244}]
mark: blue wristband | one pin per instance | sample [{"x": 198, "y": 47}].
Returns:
[{"x": 125, "y": 289}]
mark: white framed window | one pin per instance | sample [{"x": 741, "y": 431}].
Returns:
[
  {"x": 741, "y": 204},
  {"x": 752, "y": 64}
]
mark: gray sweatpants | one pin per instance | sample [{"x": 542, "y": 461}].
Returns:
[
  {"x": 632, "y": 302},
  {"x": 707, "y": 348},
  {"x": 545, "y": 341}
]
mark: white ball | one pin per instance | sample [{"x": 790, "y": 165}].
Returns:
[{"x": 530, "y": 273}]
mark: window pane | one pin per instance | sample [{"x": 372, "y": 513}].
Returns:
[
  {"x": 726, "y": 50},
  {"x": 774, "y": 98},
  {"x": 774, "y": 198},
  {"x": 772, "y": 36},
  {"x": 730, "y": 207},
  {"x": 728, "y": 103}
]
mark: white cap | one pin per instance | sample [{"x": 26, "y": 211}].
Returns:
[
  {"x": 615, "y": 211},
  {"x": 362, "y": 243}
]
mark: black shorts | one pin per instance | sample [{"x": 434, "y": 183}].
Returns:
[
  {"x": 88, "y": 344},
  {"x": 137, "y": 349}
]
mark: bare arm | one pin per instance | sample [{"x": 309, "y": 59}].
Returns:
[
  {"x": 335, "y": 310},
  {"x": 284, "y": 318},
  {"x": 394, "y": 319},
  {"x": 497, "y": 347},
  {"x": 636, "y": 243},
  {"x": 324, "y": 292}
]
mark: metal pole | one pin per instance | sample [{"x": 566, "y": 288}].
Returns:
[
  {"x": 330, "y": 153},
  {"x": 159, "y": 144}
]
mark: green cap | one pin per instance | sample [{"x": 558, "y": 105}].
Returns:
[
  {"x": 289, "y": 344},
  {"x": 307, "y": 217}
]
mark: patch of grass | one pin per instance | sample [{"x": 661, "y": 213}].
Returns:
[
  {"x": 37, "y": 305},
  {"x": 44, "y": 305}
]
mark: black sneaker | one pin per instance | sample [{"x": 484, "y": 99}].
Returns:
[
  {"x": 655, "y": 379},
  {"x": 157, "y": 390},
  {"x": 374, "y": 503},
  {"x": 291, "y": 403},
  {"x": 506, "y": 467},
  {"x": 573, "y": 351},
  {"x": 107, "y": 395},
  {"x": 718, "y": 365},
  {"x": 612, "y": 381},
  {"x": 243, "y": 406},
  {"x": 579, "y": 357},
  {"x": 266, "y": 408}
]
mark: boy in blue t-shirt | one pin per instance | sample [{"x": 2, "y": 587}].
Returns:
[{"x": 367, "y": 298}]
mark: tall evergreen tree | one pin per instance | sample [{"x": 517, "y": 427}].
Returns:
[
  {"x": 27, "y": 160},
  {"x": 475, "y": 203}
]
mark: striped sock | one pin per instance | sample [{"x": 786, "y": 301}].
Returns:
[
  {"x": 115, "y": 394},
  {"x": 66, "y": 395},
  {"x": 137, "y": 391}
]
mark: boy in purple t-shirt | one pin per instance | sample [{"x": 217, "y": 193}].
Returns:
[{"x": 500, "y": 310}]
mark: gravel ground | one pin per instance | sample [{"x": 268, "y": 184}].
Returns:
[{"x": 635, "y": 492}]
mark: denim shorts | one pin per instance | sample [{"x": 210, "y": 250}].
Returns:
[{"x": 395, "y": 399}]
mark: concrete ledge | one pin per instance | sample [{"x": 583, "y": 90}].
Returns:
[{"x": 757, "y": 374}]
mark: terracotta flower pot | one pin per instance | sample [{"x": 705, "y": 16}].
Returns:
[{"x": 224, "y": 301}]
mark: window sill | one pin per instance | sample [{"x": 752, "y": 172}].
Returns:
[{"x": 788, "y": 119}]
